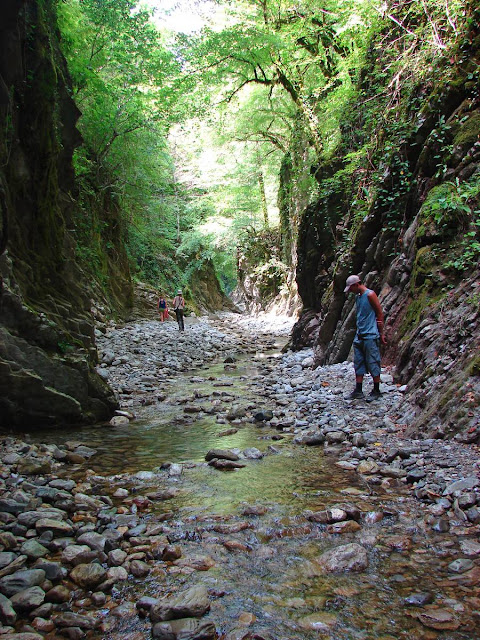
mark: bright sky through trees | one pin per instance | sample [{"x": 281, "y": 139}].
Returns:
[{"x": 182, "y": 16}]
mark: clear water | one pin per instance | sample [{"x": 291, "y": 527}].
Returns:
[{"x": 271, "y": 578}]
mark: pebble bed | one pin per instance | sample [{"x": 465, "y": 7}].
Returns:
[{"x": 71, "y": 540}]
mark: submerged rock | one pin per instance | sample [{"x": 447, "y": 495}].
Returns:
[{"x": 350, "y": 557}]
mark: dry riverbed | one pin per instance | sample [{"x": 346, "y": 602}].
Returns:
[{"x": 108, "y": 552}]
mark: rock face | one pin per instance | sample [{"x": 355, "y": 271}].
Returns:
[
  {"x": 47, "y": 343},
  {"x": 423, "y": 264}
]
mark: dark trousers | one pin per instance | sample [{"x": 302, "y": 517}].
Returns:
[{"x": 179, "y": 314}]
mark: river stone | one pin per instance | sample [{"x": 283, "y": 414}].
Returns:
[
  {"x": 28, "y": 599},
  {"x": 314, "y": 441},
  {"x": 16, "y": 565},
  {"x": 6, "y": 558},
  {"x": 368, "y": 467},
  {"x": 225, "y": 465},
  {"x": 117, "y": 574},
  {"x": 69, "y": 619},
  {"x": 184, "y": 629},
  {"x": 349, "y": 557},
  {"x": 8, "y": 540},
  {"x": 29, "y": 518},
  {"x": 23, "y": 636},
  {"x": 94, "y": 540},
  {"x": 221, "y": 454},
  {"x": 66, "y": 485},
  {"x": 170, "y": 553},
  {"x": 8, "y": 505},
  {"x": 72, "y": 551},
  {"x": 88, "y": 576},
  {"x": 33, "y": 549},
  {"x": 461, "y": 485},
  {"x": 349, "y": 526},
  {"x": 58, "y": 594},
  {"x": 58, "y": 527},
  {"x": 7, "y": 612},
  {"x": 192, "y": 603},
  {"x": 328, "y": 516},
  {"x": 252, "y": 453},
  {"x": 419, "y": 599},
  {"x": 145, "y": 603},
  {"x": 439, "y": 619},
  {"x": 321, "y": 622},
  {"x": 34, "y": 466},
  {"x": 54, "y": 571},
  {"x": 470, "y": 547},
  {"x": 21, "y": 580},
  {"x": 119, "y": 421},
  {"x": 116, "y": 557},
  {"x": 460, "y": 565},
  {"x": 139, "y": 569}
]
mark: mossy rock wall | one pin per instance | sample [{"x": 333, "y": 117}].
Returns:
[
  {"x": 47, "y": 337},
  {"x": 416, "y": 243}
]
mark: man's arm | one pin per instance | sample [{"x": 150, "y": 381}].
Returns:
[{"x": 375, "y": 304}]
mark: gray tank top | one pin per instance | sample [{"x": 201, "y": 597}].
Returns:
[{"x": 366, "y": 318}]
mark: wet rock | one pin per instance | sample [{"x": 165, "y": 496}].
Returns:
[
  {"x": 146, "y": 603},
  {"x": 349, "y": 526},
  {"x": 54, "y": 571},
  {"x": 334, "y": 437},
  {"x": 93, "y": 540},
  {"x": 368, "y": 467},
  {"x": 221, "y": 454},
  {"x": 419, "y": 599},
  {"x": 6, "y": 558},
  {"x": 116, "y": 557},
  {"x": 226, "y": 465},
  {"x": 171, "y": 553},
  {"x": 117, "y": 574},
  {"x": 328, "y": 516},
  {"x": 460, "y": 565},
  {"x": 192, "y": 603},
  {"x": 8, "y": 615},
  {"x": 185, "y": 629},
  {"x": 58, "y": 527},
  {"x": 473, "y": 515},
  {"x": 139, "y": 569},
  {"x": 58, "y": 594},
  {"x": 119, "y": 421},
  {"x": 253, "y": 453},
  {"x": 33, "y": 549},
  {"x": 320, "y": 622},
  {"x": 21, "y": 580},
  {"x": 440, "y": 619},
  {"x": 441, "y": 525},
  {"x": 461, "y": 485},
  {"x": 470, "y": 548},
  {"x": 88, "y": 576},
  {"x": 415, "y": 475},
  {"x": 69, "y": 619},
  {"x": 28, "y": 599},
  {"x": 350, "y": 557},
  {"x": 263, "y": 416}
]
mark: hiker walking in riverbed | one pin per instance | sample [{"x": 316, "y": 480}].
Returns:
[
  {"x": 162, "y": 308},
  {"x": 366, "y": 344},
  {"x": 178, "y": 307}
]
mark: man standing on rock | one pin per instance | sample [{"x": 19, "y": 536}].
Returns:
[
  {"x": 178, "y": 307},
  {"x": 366, "y": 345}
]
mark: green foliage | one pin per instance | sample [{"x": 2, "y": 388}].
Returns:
[{"x": 446, "y": 204}]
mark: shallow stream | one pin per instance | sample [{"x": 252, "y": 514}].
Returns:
[{"x": 260, "y": 563}]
